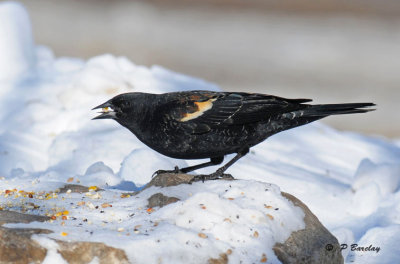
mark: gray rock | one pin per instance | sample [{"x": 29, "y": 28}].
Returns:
[
  {"x": 159, "y": 199},
  {"x": 15, "y": 217},
  {"x": 76, "y": 188},
  {"x": 166, "y": 180},
  {"x": 84, "y": 252},
  {"x": 16, "y": 246},
  {"x": 314, "y": 244},
  {"x": 170, "y": 179}
]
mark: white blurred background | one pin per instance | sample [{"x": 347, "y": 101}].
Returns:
[{"x": 333, "y": 51}]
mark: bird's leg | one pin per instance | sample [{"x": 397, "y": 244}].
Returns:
[
  {"x": 219, "y": 174},
  {"x": 212, "y": 162}
]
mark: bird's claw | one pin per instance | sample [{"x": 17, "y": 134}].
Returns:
[{"x": 158, "y": 172}]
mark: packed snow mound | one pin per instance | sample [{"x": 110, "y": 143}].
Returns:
[
  {"x": 47, "y": 139},
  {"x": 243, "y": 218}
]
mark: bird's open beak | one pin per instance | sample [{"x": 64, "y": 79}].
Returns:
[{"x": 107, "y": 112}]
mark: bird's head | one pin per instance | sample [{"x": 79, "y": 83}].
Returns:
[{"x": 118, "y": 108}]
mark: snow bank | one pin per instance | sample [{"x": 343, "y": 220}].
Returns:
[
  {"x": 47, "y": 139},
  {"x": 388, "y": 180},
  {"x": 17, "y": 53}
]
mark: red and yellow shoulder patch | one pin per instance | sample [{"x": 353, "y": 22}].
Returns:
[{"x": 199, "y": 109}]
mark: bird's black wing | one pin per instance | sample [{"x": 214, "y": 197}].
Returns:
[{"x": 199, "y": 112}]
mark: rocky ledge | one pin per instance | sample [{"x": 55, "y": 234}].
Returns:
[{"x": 308, "y": 245}]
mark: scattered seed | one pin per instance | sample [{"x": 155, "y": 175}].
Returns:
[
  {"x": 202, "y": 235},
  {"x": 90, "y": 205},
  {"x": 93, "y": 188},
  {"x": 263, "y": 258},
  {"x": 105, "y": 205},
  {"x": 94, "y": 196}
]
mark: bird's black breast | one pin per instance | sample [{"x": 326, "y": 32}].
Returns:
[{"x": 172, "y": 139}]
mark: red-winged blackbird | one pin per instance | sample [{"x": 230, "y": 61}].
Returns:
[{"x": 205, "y": 124}]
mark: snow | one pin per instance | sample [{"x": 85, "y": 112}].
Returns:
[
  {"x": 16, "y": 45},
  {"x": 134, "y": 162},
  {"x": 375, "y": 236},
  {"x": 47, "y": 139},
  {"x": 52, "y": 256},
  {"x": 389, "y": 179}
]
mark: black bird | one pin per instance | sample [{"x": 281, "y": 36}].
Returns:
[{"x": 206, "y": 124}]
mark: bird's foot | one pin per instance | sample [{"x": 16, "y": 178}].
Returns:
[
  {"x": 176, "y": 170},
  {"x": 212, "y": 176}
]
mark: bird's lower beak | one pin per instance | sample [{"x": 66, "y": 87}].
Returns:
[
  {"x": 106, "y": 111},
  {"x": 105, "y": 115}
]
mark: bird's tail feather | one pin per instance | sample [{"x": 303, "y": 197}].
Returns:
[{"x": 337, "y": 109}]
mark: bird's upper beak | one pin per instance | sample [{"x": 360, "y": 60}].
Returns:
[{"x": 107, "y": 111}]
